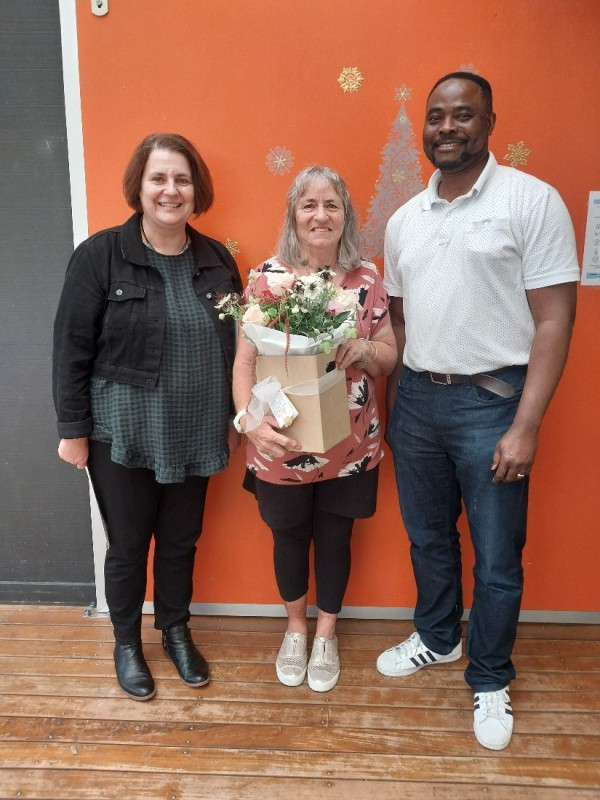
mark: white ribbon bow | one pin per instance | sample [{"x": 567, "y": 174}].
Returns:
[{"x": 266, "y": 391}]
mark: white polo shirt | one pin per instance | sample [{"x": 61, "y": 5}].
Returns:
[{"x": 463, "y": 269}]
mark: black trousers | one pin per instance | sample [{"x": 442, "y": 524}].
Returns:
[
  {"x": 321, "y": 513},
  {"x": 135, "y": 507}
]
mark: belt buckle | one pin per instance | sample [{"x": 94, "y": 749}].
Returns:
[{"x": 447, "y": 382}]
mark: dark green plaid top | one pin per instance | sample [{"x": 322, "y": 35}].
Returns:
[{"x": 179, "y": 427}]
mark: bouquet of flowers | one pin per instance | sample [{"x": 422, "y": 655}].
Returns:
[{"x": 293, "y": 315}]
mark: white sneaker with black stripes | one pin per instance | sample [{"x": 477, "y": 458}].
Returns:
[
  {"x": 411, "y": 656},
  {"x": 493, "y": 719}
]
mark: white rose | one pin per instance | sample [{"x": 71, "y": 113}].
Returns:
[
  {"x": 347, "y": 299},
  {"x": 255, "y": 315},
  {"x": 280, "y": 282}
]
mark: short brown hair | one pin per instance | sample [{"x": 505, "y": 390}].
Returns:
[{"x": 132, "y": 180}]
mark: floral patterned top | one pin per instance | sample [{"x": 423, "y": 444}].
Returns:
[{"x": 361, "y": 450}]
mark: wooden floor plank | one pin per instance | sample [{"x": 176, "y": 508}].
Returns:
[
  {"x": 397, "y": 696},
  {"x": 119, "y": 785},
  {"x": 264, "y": 641},
  {"x": 219, "y": 713},
  {"x": 255, "y": 653},
  {"x": 278, "y": 763},
  {"x": 448, "y": 677},
  {"x": 330, "y": 739}
]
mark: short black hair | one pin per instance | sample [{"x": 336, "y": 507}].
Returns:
[{"x": 484, "y": 86}]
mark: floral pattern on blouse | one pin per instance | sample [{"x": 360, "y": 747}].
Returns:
[{"x": 362, "y": 449}]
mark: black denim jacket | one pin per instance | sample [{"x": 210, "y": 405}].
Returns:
[{"x": 111, "y": 316}]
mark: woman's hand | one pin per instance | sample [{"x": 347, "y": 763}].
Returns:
[
  {"x": 355, "y": 351},
  {"x": 377, "y": 355},
  {"x": 268, "y": 441},
  {"x": 74, "y": 451}
]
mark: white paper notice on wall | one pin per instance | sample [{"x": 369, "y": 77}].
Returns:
[{"x": 590, "y": 269}]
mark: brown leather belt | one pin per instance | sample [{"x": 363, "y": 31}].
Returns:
[{"x": 494, "y": 385}]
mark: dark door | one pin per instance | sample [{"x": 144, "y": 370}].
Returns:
[{"x": 45, "y": 529}]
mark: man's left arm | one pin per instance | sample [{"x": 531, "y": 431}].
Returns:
[{"x": 553, "y": 310}]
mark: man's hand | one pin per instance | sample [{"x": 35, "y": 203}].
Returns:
[{"x": 514, "y": 455}]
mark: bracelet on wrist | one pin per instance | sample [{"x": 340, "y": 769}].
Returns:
[
  {"x": 237, "y": 420},
  {"x": 371, "y": 355}
]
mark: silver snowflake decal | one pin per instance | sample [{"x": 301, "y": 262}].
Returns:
[
  {"x": 280, "y": 160},
  {"x": 517, "y": 154}
]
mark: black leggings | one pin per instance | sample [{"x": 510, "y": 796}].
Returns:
[
  {"x": 322, "y": 513},
  {"x": 330, "y": 534}
]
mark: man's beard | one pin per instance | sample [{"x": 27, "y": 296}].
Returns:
[{"x": 455, "y": 166}]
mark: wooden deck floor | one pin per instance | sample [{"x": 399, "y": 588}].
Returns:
[{"x": 67, "y": 732}]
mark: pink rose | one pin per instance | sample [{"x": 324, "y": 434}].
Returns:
[{"x": 335, "y": 308}]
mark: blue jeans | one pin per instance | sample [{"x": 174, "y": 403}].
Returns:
[{"x": 443, "y": 438}]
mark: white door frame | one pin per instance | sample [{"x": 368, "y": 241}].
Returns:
[{"x": 70, "y": 64}]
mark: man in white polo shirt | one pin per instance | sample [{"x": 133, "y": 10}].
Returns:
[{"x": 481, "y": 268}]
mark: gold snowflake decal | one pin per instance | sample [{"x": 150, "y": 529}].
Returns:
[
  {"x": 517, "y": 154},
  {"x": 232, "y": 246},
  {"x": 403, "y": 93},
  {"x": 350, "y": 79},
  {"x": 398, "y": 176},
  {"x": 280, "y": 160}
]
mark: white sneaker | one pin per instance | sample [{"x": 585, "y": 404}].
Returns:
[
  {"x": 410, "y": 656},
  {"x": 291, "y": 659},
  {"x": 324, "y": 664},
  {"x": 493, "y": 719}
]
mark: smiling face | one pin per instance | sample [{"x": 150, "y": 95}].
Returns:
[
  {"x": 320, "y": 222},
  {"x": 167, "y": 191},
  {"x": 457, "y": 126}
]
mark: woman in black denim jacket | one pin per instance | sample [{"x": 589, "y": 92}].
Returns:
[{"x": 142, "y": 389}]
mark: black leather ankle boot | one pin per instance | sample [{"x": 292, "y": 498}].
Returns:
[
  {"x": 132, "y": 671},
  {"x": 191, "y": 664}
]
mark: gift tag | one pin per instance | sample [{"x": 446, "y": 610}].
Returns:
[{"x": 283, "y": 410}]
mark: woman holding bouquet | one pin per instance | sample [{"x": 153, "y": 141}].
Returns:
[
  {"x": 305, "y": 497},
  {"x": 142, "y": 388}
]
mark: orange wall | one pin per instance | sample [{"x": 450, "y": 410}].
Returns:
[{"x": 243, "y": 77}]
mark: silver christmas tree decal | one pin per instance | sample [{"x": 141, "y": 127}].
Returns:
[{"x": 398, "y": 181}]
